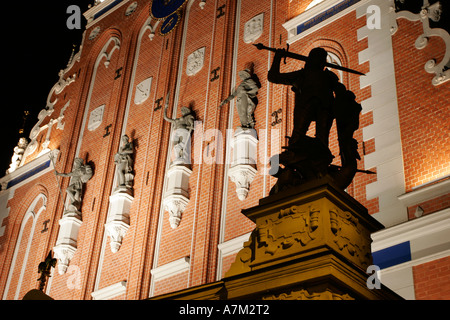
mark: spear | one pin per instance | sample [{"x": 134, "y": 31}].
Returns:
[{"x": 300, "y": 57}]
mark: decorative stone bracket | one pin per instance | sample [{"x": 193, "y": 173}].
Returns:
[
  {"x": 433, "y": 12},
  {"x": 176, "y": 196},
  {"x": 243, "y": 167},
  {"x": 66, "y": 245},
  {"x": 119, "y": 218}
]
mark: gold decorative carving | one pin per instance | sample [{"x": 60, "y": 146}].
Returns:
[
  {"x": 305, "y": 295},
  {"x": 292, "y": 225},
  {"x": 349, "y": 236}
]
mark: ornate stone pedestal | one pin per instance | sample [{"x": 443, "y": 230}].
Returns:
[
  {"x": 119, "y": 217},
  {"x": 310, "y": 243},
  {"x": 243, "y": 167},
  {"x": 66, "y": 245}
]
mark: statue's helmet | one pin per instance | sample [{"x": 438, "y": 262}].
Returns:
[
  {"x": 185, "y": 111},
  {"x": 244, "y": 74},
  {"x": 317, "y": 58},
  {"x": 78, "y": 162}
]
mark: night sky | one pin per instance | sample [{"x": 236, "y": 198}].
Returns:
[{"x": 36, "y": 45}]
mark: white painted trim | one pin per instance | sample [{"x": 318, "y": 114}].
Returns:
[
  {"x": 425, "y": 193},
  {"x": 227, "y": 248},
  {"x": 233, "y": 246},
  {"x": 28, "y": 167},
  {"x": 89, "y": 14},
  {"x": 399, "y": 278},
  {"x": 171, "y": 269},
  {"x": 110, "y": 292},
  {"x": 411, "y": 230},
  {"x": 388, "y": 156},
  {"x": 292, "y": 24}
]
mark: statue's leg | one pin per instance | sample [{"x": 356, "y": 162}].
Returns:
[{"x": 302, "y": 119}]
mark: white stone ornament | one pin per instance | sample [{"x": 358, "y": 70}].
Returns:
[
  {"x": 66, "y": 245},
  {"x": 131, "y": 8},
  {"x": 253, "y": 28},
  {"x": 143, "y": 91},
  {"x": 432, "y": 12},
  {"x": 243, "y": 167},
  {"x": 118, "y": 219},
  {"x": 96, "y": 118},
  {"x": 195, "y": 61},
  {"x": 94, "y": 33}
]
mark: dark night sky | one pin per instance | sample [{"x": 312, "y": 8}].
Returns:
[{"x": 36, "y": 45}]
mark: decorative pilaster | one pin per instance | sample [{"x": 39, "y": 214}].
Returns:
[
  {"x": 243, "y": 167},
  {"x": 119, "y": 217},
  {"x": 66, "y": 245}
]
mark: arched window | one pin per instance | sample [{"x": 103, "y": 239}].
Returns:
[{"x": 23, "y": 246}]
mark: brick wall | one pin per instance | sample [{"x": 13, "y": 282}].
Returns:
[{"x": 432, "y": 280}]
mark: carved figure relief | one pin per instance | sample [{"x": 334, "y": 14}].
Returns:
[
  {"x": 195, "y": 61},
  {"x": 18, "y": 154},
  {"x": 96, "y": 118},
  {"x": 80, "y": 174},
  {"x": 253, "y": 28},
  {"x": 124, "y": 164}
]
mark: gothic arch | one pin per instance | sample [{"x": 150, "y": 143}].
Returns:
[
  {"x": 336, "y": 53},
  {"x": 32, "y": 212}
]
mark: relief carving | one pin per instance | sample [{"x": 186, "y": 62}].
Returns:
[
  {"x": 305, "y": 295},
  {"x": 348, "y": 235},
  {"x": 293, "y": 225}
]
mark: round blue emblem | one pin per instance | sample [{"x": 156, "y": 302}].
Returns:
[
  {"x": 163, "y": 8},
  {"x": 170, "y": 23}
]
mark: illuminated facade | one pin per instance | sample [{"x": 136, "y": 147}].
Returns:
[{"x": 175, "y": 222}]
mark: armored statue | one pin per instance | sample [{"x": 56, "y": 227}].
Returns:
[
  {"x": 319, "y": 97},
  {"x": 124, "y": 163},
  {"x": 246, "y": 100},
  {"x": 80, "y": 174},
  {"x": 181, "y": 136}
]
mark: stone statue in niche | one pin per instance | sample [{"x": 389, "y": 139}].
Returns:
[
  {"x": 18, "y": 154},
  {"x": 181, "y": 136},
  {"x": 319, "y": 97},
  {"x": 246, "y": 100},
  {"x": 124, "y": 164},
  {"x": 80, "y": 175}
]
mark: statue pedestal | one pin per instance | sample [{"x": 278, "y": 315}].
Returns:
[
  {"x": 66, "y": 245},
  {"x": 176, "y": 196},
  {"x": 243, "y": 167},
  {"x": 312, "y": 242},
  {"x": 119, "y": 217}
]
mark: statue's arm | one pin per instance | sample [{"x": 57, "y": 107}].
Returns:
[
  {"x": 166, "y": 117},
  {"x": 275, "y": 76}
]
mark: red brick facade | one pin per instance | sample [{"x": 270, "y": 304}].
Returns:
[{"x": 125, "y": 53}]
